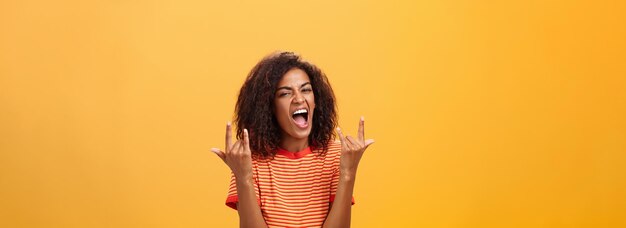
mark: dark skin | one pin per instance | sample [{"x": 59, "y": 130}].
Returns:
[
  {"x": 351, "y": 153},
  {"x": 239, "y": 159},
  {"x": 294, "y": 92}
]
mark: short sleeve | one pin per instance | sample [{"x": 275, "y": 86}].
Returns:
[
  {"x": 231, "y": 198},
  {"x": 336, "y": 148}
]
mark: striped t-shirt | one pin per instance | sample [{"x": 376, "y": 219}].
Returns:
[{"x": 295, "y": 188}]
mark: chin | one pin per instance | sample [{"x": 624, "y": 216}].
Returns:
[{"x": 299, "y": 134}]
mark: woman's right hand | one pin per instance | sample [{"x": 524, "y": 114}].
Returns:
[{"x": 237, "y": 156}]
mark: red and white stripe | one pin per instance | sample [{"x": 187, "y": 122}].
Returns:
[{"x": 295, "y": 188}]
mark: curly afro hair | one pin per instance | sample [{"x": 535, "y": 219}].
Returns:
[{"x": 255, "y": 105}]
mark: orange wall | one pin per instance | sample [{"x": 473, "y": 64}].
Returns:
[{"x": 485, "y": 114}]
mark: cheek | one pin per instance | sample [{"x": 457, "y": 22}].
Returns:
[
  {"x": 311, "y": 101},
  {"x": 281, "y": 110}
]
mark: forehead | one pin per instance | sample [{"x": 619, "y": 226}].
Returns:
[{"x": 294, "y": 78}]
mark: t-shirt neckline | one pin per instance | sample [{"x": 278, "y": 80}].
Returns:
[{"x": 294, "y": 155}]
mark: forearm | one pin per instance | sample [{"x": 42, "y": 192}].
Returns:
[
  {"x": 340, "y": 211},
  {"x": 247, "y": 207}
]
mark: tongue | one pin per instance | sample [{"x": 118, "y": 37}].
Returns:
[{"x": 299, "y": 119}]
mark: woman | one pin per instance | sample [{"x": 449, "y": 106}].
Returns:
[{"x": 287, "y": 170}]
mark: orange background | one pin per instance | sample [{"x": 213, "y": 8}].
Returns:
[{"x": 485, "y": 113}]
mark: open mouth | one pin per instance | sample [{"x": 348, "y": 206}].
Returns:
[{"x": 301, "y": 118}]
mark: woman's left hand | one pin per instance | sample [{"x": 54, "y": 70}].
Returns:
[{"x": 352, "y": 150}]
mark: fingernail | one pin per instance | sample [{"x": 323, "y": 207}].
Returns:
[
  {"x": 228, "y": 123},
  {"x": 362, "y": 118},
  {"x": 215, "y": 150}
]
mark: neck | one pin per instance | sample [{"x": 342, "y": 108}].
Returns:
[{"x": 294, "y": 145}]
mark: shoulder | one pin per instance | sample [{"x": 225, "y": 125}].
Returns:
[
  {"x": 335, "y": 146},
  {"x": 334, "y": 150}
]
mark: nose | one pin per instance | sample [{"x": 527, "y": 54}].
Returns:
[{"x": 299, "y": 98}]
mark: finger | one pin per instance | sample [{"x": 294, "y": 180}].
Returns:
[
  {"x": 343, "y": 143},
  {"x": 246, "y": 139},
  {"x": 355, "y": 144},
  {"x": 361, "y": 133},
  {"x": 349, "y": 145},
  {"x": 218, "y": 152},
  {"x": 229, "y": 137},
  {"x": 236, "y": 147}
]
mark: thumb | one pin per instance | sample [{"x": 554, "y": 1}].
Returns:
[
  {"x": 219, "y": 153},
  {"x": 369, "y": 142}
]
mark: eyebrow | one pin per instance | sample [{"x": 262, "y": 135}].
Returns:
[{"x": 289, "y": 88}]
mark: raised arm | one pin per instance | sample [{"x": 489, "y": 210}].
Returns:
[
  {"x": 351, "y": 153},
  {"x": 239, "y": 159}
]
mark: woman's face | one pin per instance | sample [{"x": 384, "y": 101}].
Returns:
[{"x": 294, "y": 104}]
